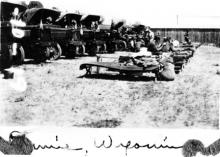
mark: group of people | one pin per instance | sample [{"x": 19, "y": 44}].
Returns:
[
  {"x": 165, "y": 49},
  {"x": 157, "y": 46},
  {"x": 146, "y": 38}
]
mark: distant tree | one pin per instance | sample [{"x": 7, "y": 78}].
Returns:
[{"x": 35, "y": 4}]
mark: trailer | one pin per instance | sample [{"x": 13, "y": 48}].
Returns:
[{"x": 124, "y": 65}]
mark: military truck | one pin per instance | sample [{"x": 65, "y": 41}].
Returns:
[
  {"x": 42, "y": 43},
  {"x": 72, "y": 45},
  {"x": 92, "y": 36},
  {"x": 11, "y": 50}
]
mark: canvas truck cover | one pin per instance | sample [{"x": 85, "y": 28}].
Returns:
[
  {"x": 66, "y": 19},
  {"x": 35, "y": 15},
  {"x": 87, "y": 20},
  {"x": 90, "y": 18}
]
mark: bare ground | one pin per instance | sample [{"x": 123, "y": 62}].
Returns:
[{"x": 56, "y": 94}]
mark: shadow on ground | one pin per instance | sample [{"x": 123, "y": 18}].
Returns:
[{"x": 118, "y": 77}]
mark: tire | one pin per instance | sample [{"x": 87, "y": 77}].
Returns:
[
  {"x": 122, "y": 46},
  {"x": 20, "y": 56},
  {"x": 82, "y": 50},
  {"x": 57, "y": 52},
  {"x": 99, "y": 49},
  {"x": 77, "y": 51},
  {"x": 6, "y": 57},
  {"x": 104, "y": 48}
]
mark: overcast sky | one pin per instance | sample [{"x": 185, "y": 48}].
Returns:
[{"x": 155, "y": 13}]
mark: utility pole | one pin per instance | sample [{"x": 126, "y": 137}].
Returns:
[{"x": 177, "y": 19}]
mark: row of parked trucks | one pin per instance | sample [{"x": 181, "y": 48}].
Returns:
[{"x": 46, "y": 34}]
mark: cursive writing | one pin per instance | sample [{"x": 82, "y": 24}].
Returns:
[
  {"x": 54, "y": 147},
  {"x": 130, "y": 145},
  {"x": 109, "y": 145},
  {"x": 20, "y": 144}
]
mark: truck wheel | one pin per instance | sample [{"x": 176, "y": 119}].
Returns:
[
  {"x": 121, "y": 45},
  {"x": 5, "y": 57},
  {"x": 57, "y": 52},
  {"x": 82, "y": 50},
  {"x": 124, "y": 45},
  {"x": 77, "y": 50},
  {"x": 20, "y": 56},
  {"x": 104, "y": 48}
]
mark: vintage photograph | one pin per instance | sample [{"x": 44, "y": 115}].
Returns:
[{"x": 110, "y": 64}]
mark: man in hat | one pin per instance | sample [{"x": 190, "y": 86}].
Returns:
[{"x": 155, "y": 46}]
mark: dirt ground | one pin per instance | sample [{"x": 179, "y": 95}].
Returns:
[{"x": 57, "y": 94}]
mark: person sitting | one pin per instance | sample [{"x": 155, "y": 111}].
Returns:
[
  {"x": 171, "y": 45},
  {"x": 165, "y": 45},
  {"x": 168, "y": 73},
  {"x": 154, "y": 46}
]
